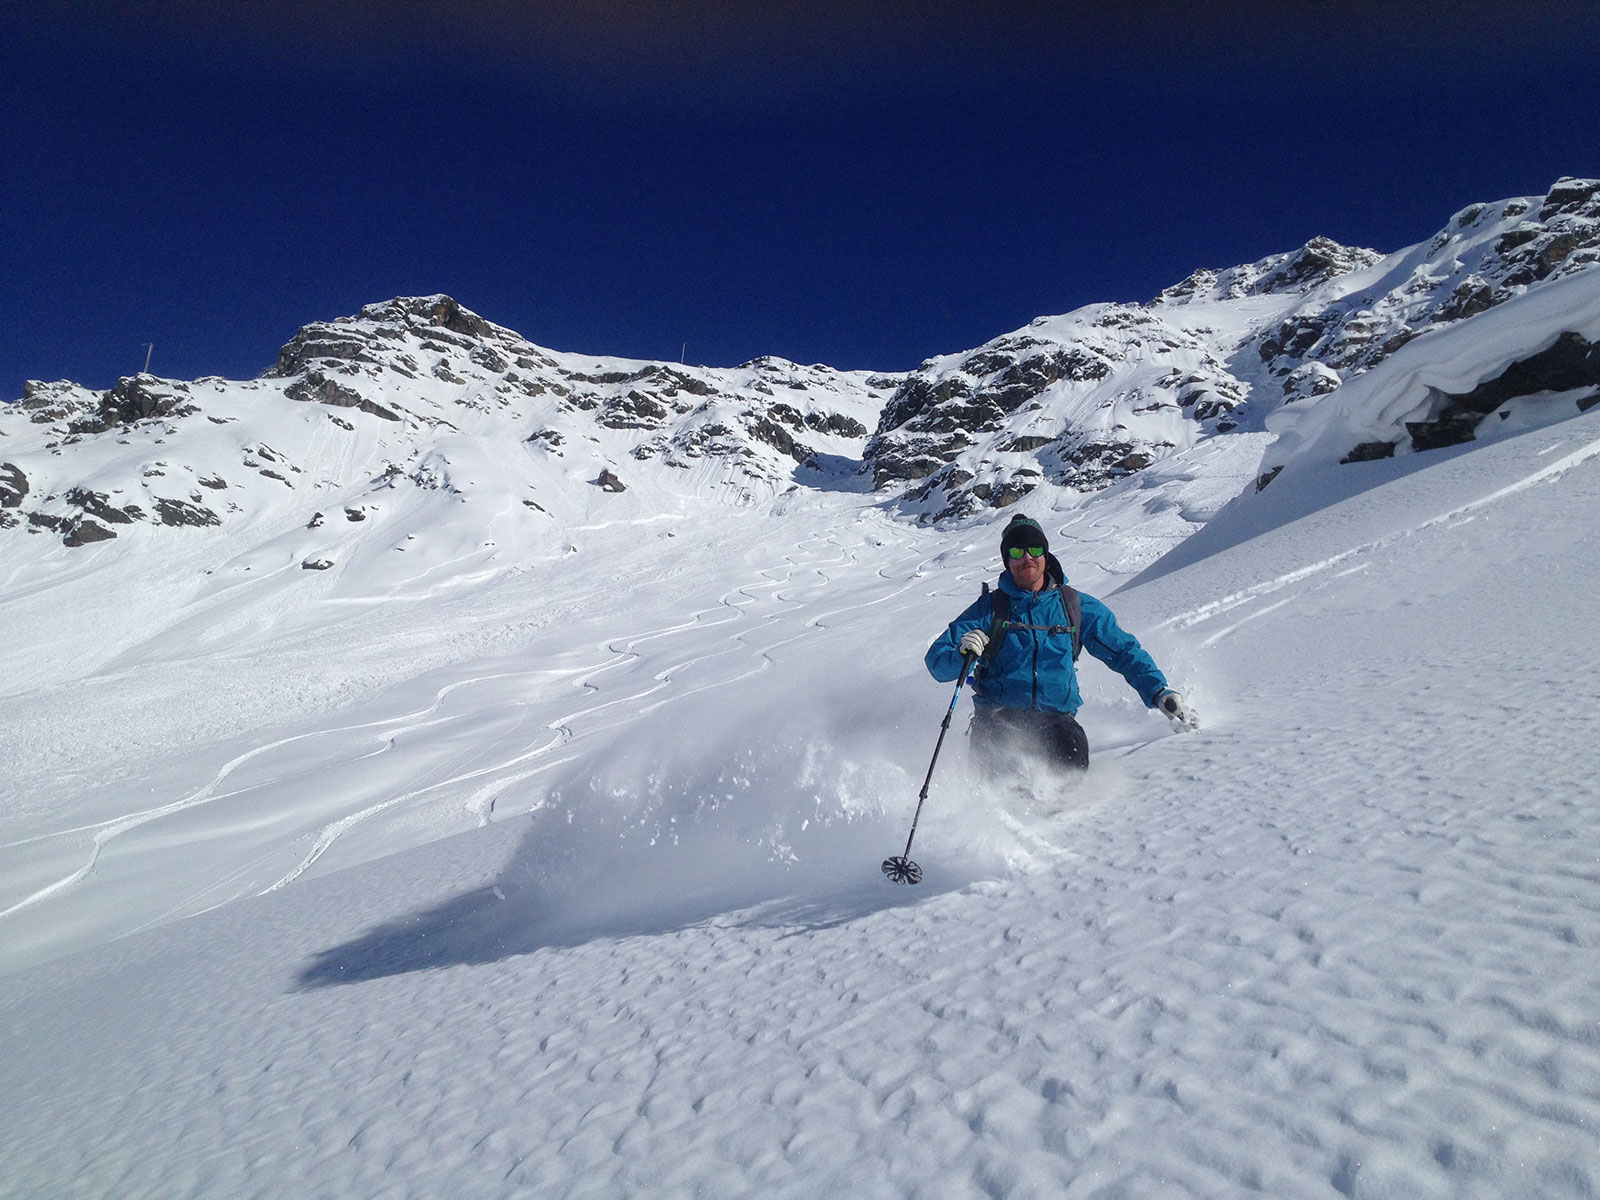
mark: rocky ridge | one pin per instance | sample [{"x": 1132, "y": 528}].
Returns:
[
  {"x": 1074, "y": 402},
  {"x": 391, "y": 383},
  {"x": 1082, "y": 400}
]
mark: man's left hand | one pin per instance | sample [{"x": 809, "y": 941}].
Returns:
[{"x": 1170, "y": 703}]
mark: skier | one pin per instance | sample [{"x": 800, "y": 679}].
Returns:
[{"x": 1026, "y": 635}]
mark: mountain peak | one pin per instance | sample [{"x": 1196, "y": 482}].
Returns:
[{"x": 1317, "y": 262}]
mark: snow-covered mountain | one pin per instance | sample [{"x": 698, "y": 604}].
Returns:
[
  {"x": 394, "y": 807},
  {"x": 1084, "y": 399},
  {"x": 414, "y": 391}
]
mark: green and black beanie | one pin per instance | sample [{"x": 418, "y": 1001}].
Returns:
[{"x": 1023, "y": 531}]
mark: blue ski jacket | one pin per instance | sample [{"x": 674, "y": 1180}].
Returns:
[{"x": 1033, "y": 668}]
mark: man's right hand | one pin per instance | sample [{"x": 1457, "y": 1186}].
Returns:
[{"x": 974, "y": 643}]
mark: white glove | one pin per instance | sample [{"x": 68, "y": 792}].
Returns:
[
  {"x": 974, "y": 643},
  {"x": 1172, "y": 705}
]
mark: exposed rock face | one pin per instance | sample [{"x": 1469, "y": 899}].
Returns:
[
  {"x": 46, "y": 403},
  {"x": 142, "y": 397},
  {"x": 1079, "y": 401},
  {"x": 13, "y": 486},
  {"x": 181, "y": 512},
  {"x": 1317, "y": 262},
  {"x": 681, "y": 414},
  {"x": 99, "y": 506},
  {"x": 317, "y": 387},
  {"x": 1572, "y": 364},
  {"x": 87, "y": 531},
  {"x": 1486, "y": 255}
]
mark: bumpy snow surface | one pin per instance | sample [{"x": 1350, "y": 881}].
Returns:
[{"x": 552, "y": 870}]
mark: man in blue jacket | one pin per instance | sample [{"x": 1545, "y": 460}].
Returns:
[{"x": 1026, "y": 634}]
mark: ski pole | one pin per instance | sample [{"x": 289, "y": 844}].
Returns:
[{"x": 900, "y": 868}]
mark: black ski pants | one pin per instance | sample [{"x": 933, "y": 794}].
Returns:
[{"x": 1002, "y": 735}]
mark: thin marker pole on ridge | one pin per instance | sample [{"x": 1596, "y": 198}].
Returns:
[{"x": 900, "y": 868}]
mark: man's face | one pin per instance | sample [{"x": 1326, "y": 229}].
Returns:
[{"x": 1027, "y": 572}]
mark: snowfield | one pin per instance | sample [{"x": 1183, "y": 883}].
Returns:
[{"x": 561, "y": 879}]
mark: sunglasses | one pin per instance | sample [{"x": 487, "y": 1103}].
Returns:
[{"x": 1016, "y": 552}]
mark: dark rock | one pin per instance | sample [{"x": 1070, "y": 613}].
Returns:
[
  {"x": 489, "y": 359},
  {"x": 315, "y": 387},
  {"x": 316, "y": 564},
  {"x": 548, "y": 438},
  {"x": 633, "y": 411},
  {"x": 1008, "y": 493},
  {"x": 1520, "y": 236},
  {"x": 1443, "y": 431},
  {"x": 918, "y": 395},
  {"x": 181, "y": 512},
  {"x": 1296, "y": 337},
  {"x": 836, "y": 424},
  {"x": 13, "y": 485},
  {"x": 1470, "y": 297},
  {"x": 609, "y": 481},
  {"x": 1366, "y": 452},
  {"x": 1318, "y": 261},
  {"x": 1308, "y": 381},
  {"x": 341, "y": 341},
  {"x": 1570, "y": 364},
  {"x": 98, "y": 504},
  {"x": 85, "y": 532},
  {"x": 321, "y": 342},
  {"x": 769, "y": 431},
  {"x": 1570, "y": 195},
  {"x": 48, "y": 402}
]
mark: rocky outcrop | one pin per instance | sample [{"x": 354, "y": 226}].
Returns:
[
  {"x": 13, "y": 485},
  {"x": 182, "y": 512},
  {"x": 1317, "y": 262},
  {"x": 1078, "y": 401},
  {"x": 316, "y": 387},
  {"x": 1483, "y": 257},
  {"x": 85, "y": 532},
  {"x": 98, "y": 505},
  {"x": 1571, "y": 365}
]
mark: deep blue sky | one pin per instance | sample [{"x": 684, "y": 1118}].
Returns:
[{"x": 765, "y": 178}]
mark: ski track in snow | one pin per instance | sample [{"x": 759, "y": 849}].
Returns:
[{"x": 629, "y": 677}]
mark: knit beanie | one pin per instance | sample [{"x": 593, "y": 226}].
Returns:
[{"x": 1023, "y": 531}]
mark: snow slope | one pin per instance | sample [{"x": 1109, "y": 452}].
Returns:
[
  {"x": 493, "y": 832},
  {"x": 562, "y": 881}
]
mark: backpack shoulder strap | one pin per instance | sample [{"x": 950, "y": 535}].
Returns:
[
  {"x": 1000, "y": 617},
  {"x": 1073, "y": 604},
  {"x": 1000, "y": 608}
]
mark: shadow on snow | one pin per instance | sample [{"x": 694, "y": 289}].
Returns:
[{"x": 572, "y": 882}]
